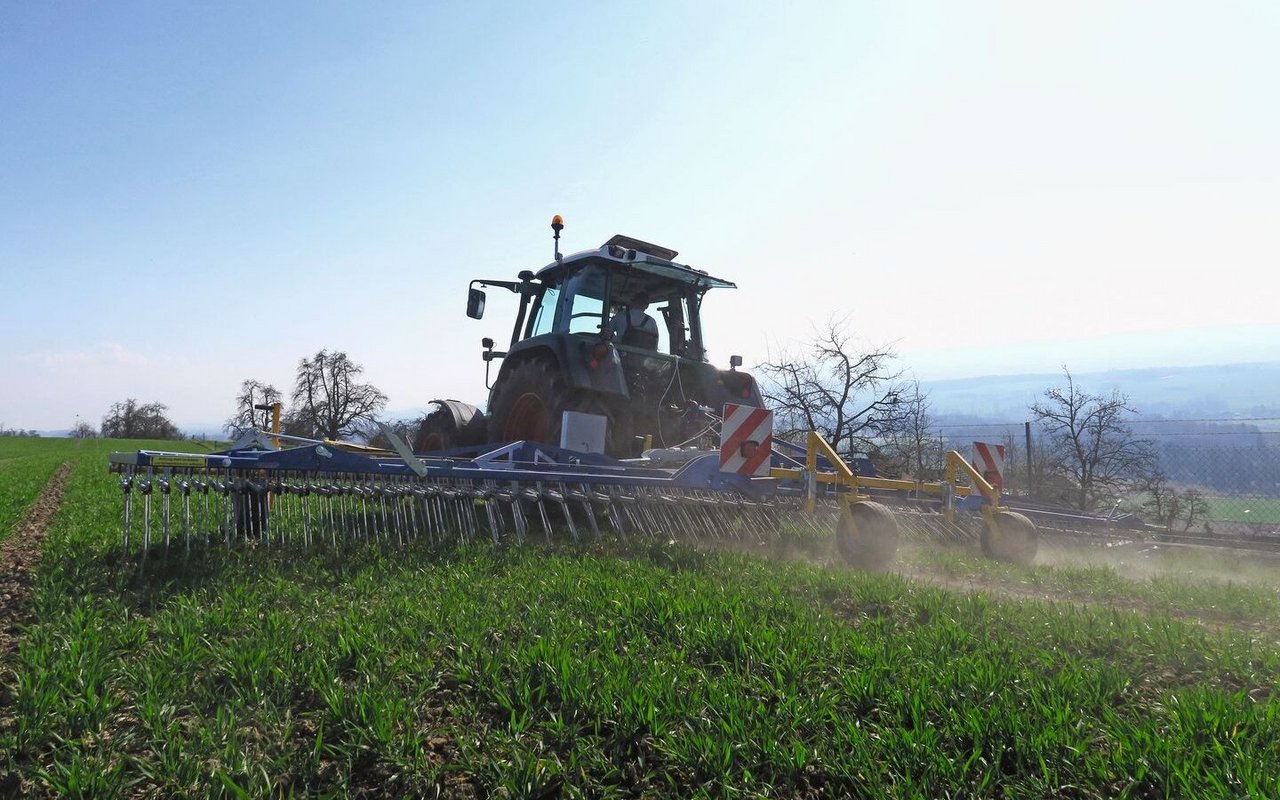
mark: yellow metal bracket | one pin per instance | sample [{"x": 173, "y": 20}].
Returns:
[{"x": 841, "y": 474}]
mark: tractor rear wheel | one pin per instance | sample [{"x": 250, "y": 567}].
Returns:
[
  {"x": 529, "y": 402},
  {"x": 867, "y": 536},
  {"x": 1010, "y": 536}
]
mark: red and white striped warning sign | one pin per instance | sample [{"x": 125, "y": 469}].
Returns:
[
  {"x": 988, "y": 460},
  {"x": 746, "y": 440}
]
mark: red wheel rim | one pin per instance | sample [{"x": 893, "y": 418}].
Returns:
[{"x": 528, "y": 419}]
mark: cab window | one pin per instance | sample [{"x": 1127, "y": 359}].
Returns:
[
  {"x": 545, "y": 314},
  {"x": 583, "y": 312}
]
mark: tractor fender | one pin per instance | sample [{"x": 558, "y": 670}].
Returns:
[
  {"x": 450, "y": 424},
  {"x": 740, "y": 388},
  {"x": 466, "y": 417}
]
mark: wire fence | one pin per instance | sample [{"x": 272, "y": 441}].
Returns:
[{"x": 1217, "y": 478}]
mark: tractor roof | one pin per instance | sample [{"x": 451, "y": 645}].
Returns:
[{"x": 626, "y": 252}]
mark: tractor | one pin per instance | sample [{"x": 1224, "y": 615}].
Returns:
[{"x": 585, "y": 340}]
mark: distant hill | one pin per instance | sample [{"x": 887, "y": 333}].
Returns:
[{"x": 1221, "y": 390}]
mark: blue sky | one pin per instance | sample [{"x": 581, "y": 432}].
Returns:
[{"x": 192, "y": 196}]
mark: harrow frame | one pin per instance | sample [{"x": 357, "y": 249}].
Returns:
[{"x": 514, "y": 487}]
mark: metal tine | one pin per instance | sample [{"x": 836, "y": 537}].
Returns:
[
  {"x": 305, "y": 490},
  {"x": 630, "y": 510},
  {"x": 126, "y": 486},
  {"x": 582, "y": 496},
  {"x": 406, "y": 505},
  {"x": 285, "y": 502},
  {"x": 712, "y": 511},
  {"x": 278, "y": 509},
  {"x": 615, "y": 518},
  {"x": 438, "y": 505},
  {"x": 468, "y": 506},
  {"x": 402, "y": 522},
  {"x": 483, "y": 496},
  {"x": 397, "y": 513},
  {"x": 184, "y": 488},
  {"x": 447, "y": 520},
  {"x": 468, "y": 499},
  {"x": 421, "y": 524},
  {"x": 556, "y": 495},
  {"x": 456, "y": 519},
  {"x": 690, "y": 523},
  {"x": 430, "y": 502},
  {"x": 508, "y": 498},
  {"x": 536, "y": 495},
  {"x": 329, "y": 492},
  {"x": 421, "y": 513},
  {"x": 648, "y": 508},
  {"x": 144, "y": 487},
  {"x": 645, "y": 509},
  {"x": 164, "y": 511},
  {"x": 451, "y": 514},
  {"x": 260, "y": 511},
  {"x": 390, "y": 522},
  {"x": 225, "y": 488}
]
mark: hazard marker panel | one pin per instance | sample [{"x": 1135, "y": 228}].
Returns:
[
  {"x": 746, "y": 440},
  {"x": 988, "y": 460}
]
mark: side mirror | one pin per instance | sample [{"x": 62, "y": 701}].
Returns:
[{"x": 475, "y": 303}]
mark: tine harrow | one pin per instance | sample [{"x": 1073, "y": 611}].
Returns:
[{"x": 322, "y": 495}]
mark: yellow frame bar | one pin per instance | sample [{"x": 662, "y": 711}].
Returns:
[{"x": 956, "y": 468}]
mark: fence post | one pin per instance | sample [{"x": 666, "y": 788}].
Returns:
[{"x": 1031, "y": 489}]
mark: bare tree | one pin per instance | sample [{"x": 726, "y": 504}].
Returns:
[
  {"x": 1168, "y": 507},
  {"x": 252, "y": 392},
  {"x": 916, "y": 442},
  {"x": 329, "y": 402},
  {"x": 406, "y": 429},
  {"x": 1089, "y": 444},
  {"x": 83, "y": 430},
  {"x": 131, "y": 420},
  {"x": 854, "y": 399}
]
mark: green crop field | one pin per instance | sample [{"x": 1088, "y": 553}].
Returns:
[
  {"x": 624, "y": 669},
  {"x": 1264, "y": 510}
]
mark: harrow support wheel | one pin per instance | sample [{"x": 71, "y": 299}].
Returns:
[
  {"x": 867, "y": 535},
  {"x": 1010, "y": 536}
]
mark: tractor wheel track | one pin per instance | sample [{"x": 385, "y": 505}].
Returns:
[{"x": 19, "y": 554}]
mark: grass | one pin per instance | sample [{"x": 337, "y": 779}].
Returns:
[
  {"x": 25, "y": 467},
  {"x": 1205, "y": 584},
  {"x": 1256, "y": 510},
  {"x": 616, "y": 670}
]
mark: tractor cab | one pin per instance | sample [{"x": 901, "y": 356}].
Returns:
[
  {"x": 615, "y": 332},
  {"x": 606, "y": 293}
]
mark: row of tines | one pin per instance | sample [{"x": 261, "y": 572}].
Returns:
[{"x": 169, "y": 510}]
